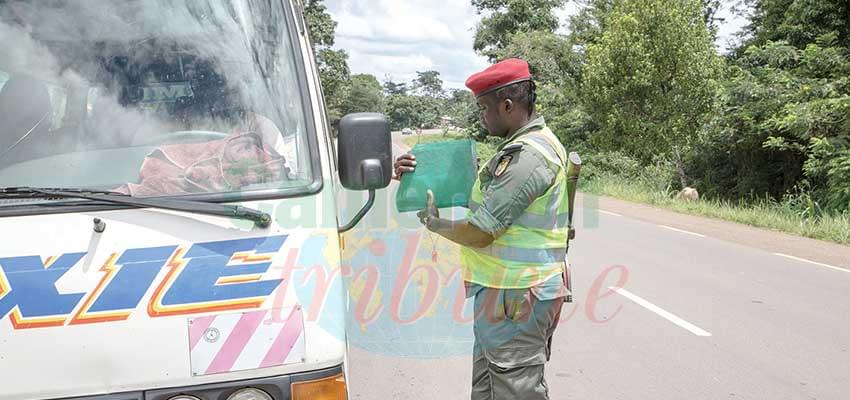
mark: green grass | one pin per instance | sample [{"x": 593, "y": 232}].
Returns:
[{"x": 763, "y": 214}]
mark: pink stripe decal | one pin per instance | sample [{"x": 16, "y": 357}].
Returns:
[
  {"x": 285, "y": 339},
  {"x": 280, "y": 293},
  {"x": 198, "y": 328},
  {"x": 236, "y": 342}
]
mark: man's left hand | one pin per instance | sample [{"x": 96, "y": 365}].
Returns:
[{"x": 430, "y": 214}]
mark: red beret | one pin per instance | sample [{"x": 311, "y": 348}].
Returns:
[{"x": 498, "y": 75}]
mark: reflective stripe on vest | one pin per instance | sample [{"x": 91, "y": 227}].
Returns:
[
  {"x": 521, "y": 255},
  {"x": 535, "y": 221},
  {"x": 533, "y": 248}
]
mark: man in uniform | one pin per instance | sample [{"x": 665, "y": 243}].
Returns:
[{"x": 513, "y": 242}]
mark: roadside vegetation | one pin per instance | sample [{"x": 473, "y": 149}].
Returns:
[
  {"x": 794, "y": 214},
  {"x": 760, "y": 129},
  {"x": 789, "y": 216}
]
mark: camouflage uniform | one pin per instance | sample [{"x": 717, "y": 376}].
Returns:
[{"x": 513, "y": 327}]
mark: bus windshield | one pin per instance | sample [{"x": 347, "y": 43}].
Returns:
[{"x": 150, "y": 97}]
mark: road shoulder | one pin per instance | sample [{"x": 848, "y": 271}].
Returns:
[{"x": 803, "y": 249}]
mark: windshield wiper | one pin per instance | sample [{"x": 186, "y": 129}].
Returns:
[{"x": 261, "y": 219}]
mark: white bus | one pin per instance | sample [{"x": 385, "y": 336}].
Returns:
[{"x": 155, "y": 156}]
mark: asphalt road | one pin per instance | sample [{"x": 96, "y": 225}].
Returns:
[
  {"x": 398, "y": 138},
  {"x": 672, "y": 307}
]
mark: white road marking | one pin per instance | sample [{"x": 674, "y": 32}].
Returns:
[
  {"x": 682, "y": 231},
  {"x": 610, "y": 213},
  {"x": 811, "y": 262},
  {"x": 660, "y": 311}
]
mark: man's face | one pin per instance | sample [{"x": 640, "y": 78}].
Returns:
[{"x": 492, "y": 116}]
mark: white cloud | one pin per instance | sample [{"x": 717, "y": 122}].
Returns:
[
  {"x": 399, "y": 29},
  {"x": 398, "y": 38}
]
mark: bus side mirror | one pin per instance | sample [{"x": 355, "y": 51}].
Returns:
[{"x": 364, "y": 151}]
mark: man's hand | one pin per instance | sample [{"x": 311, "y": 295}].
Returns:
[
  {"x": 404, "y": 163},
  {"x": 430, "y": 214}
]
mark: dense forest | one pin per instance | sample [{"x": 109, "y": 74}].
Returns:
[{"x": 639, "y": 87}]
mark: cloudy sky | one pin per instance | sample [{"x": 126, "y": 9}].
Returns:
[{"x": 392, "y": 38}]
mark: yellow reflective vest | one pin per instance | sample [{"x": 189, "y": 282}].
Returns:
[{"x": 534, "y": 246}]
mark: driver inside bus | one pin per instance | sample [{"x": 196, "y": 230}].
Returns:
[
  {"x": 246, "y": 157},
  {"x": 251, "y": 154}
]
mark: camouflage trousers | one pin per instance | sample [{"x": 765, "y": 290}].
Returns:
[{"x": 513, "y": 341}]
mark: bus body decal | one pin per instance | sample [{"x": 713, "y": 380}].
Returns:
[{"x": 211, "y": 276}]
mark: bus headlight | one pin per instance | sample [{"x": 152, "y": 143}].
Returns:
[
  {"x": 331, "y": 388},
  {"x": 184, "y": 397},
  {"x": 249, "y": 394}
]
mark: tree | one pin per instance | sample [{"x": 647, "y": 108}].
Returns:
[
  {"x": 394, "y": 88},
  {"x": 365, "y": 95},
  {"x": 587, "y": 25},
  {"x": 650, "y": 80},
  {"x": 798, "y": 22},
  {"x": 319, "y": 23},
  {"x": 428, "y": 83},
  {"x": 506, "y": 17},
  {"x": 710, "y": 9},
  {"x": 462, "y": 108},
  {"x": 783, "y": 126},
  {"x": 549, "y": 55},
  {"x": 556, "y": 68},
  {"x": 335, "y": 77},
  {"x": 333, "y": 64},
  {"x": 413, "y": 111},
  {"x": 461, "y": 96}
]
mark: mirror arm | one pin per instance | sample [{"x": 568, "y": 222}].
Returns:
[{"x": 360, "y": 214}]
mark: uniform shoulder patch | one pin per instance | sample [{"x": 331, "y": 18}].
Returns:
[
  {"x": 503, "y": 165},
  {"x": 506, "y": 155}
]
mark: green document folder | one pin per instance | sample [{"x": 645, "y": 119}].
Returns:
[{"x": 447, "y": 168}]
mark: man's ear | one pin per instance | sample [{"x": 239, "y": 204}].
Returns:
[{"x": 508, "y": 105}]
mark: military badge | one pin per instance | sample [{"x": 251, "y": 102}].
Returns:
[{"x": 503, "y": 165}]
